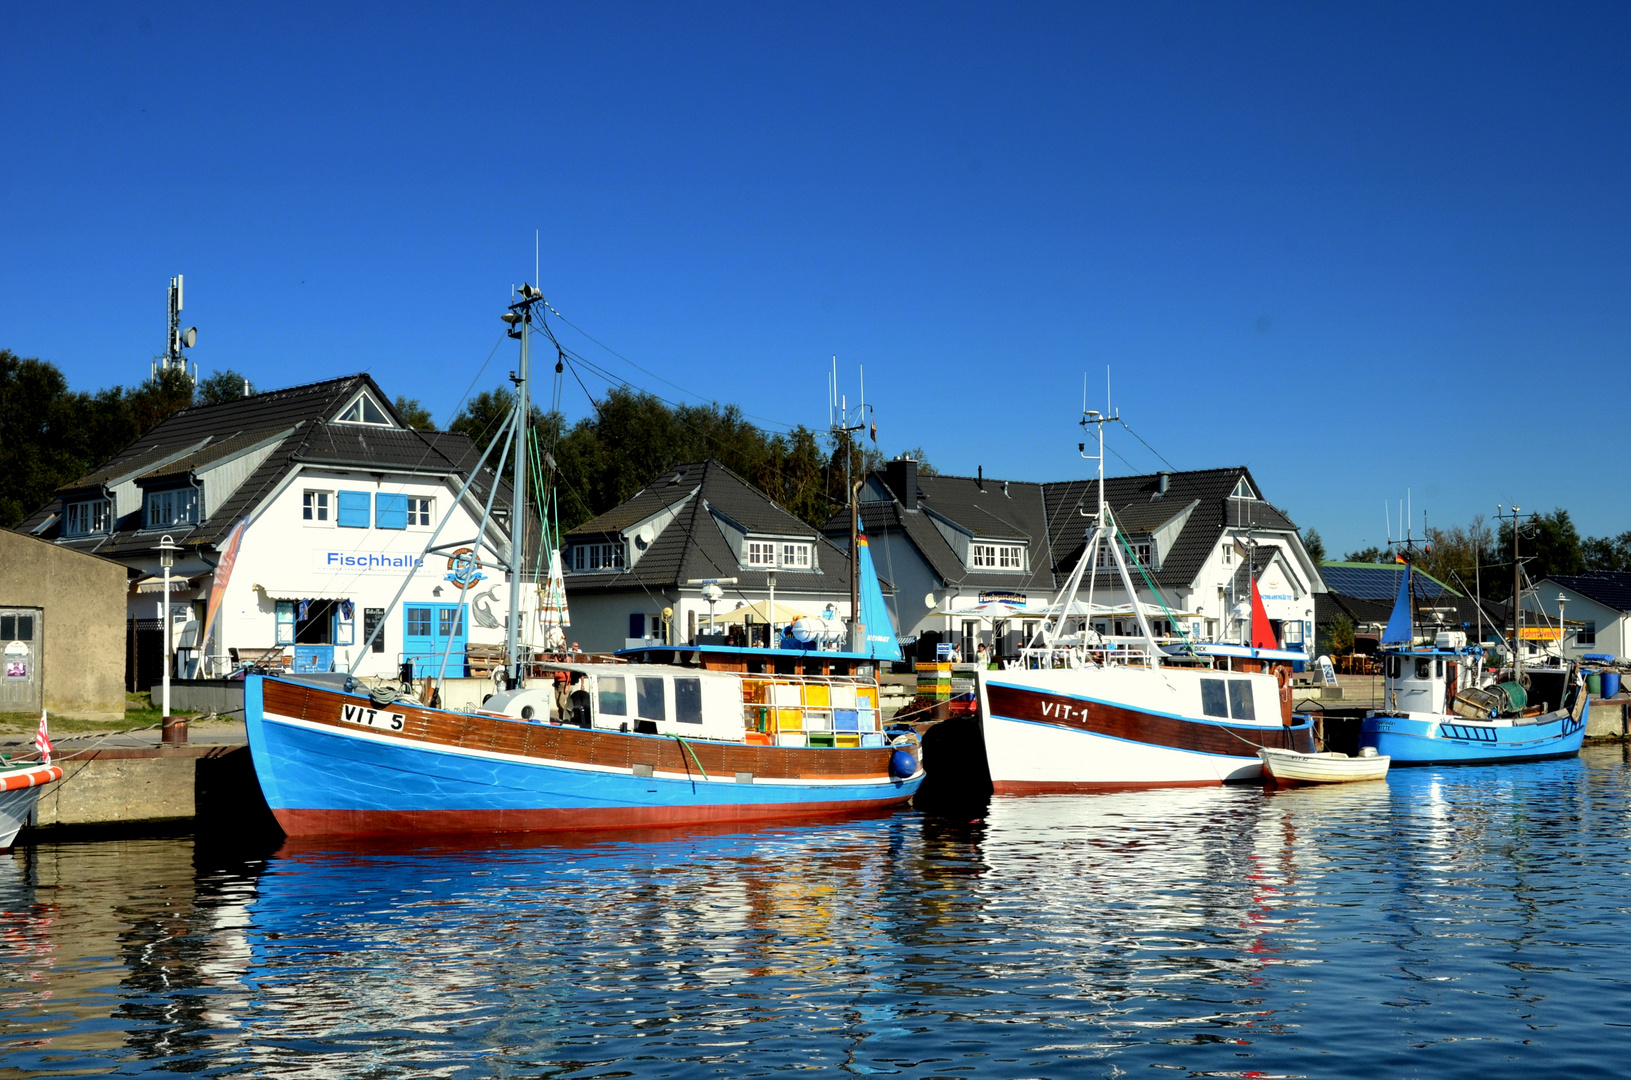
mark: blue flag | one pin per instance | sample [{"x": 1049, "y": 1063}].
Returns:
[
  {"x": 881, "y": 643},
  {"x": 1399, "y": 630}
]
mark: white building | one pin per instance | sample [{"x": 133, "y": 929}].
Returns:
[
  {"x": 1599, "y": 601},
  {"x": 633, "y": 574},
  {"x": 951, "y": 544},
  {"x": 339, "y": 498}
]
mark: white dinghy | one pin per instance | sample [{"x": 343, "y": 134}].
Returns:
[{"x": 1292, "y": 767}]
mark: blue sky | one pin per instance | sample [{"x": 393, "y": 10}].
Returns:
[{"x": 1361, "y": 249}]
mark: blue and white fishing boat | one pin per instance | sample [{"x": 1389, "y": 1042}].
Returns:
[
  {"x": 664, "y": 735},
  {"x": 1443, "y": 706}
]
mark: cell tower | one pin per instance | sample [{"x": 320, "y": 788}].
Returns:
[{"x": 173, "y": 358}]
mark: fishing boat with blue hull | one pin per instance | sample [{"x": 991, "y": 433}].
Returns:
[
  {"x": 637, "y": 745},
  {"x": 661, "y": 736},
  {"x": 1443, "y": 706}
]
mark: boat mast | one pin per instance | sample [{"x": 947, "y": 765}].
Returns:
[
  {"x": 519, "y": 317},
  {"x": 1517, "y": 587}
]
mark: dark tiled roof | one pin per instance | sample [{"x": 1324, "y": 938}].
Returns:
[
  {"x": 1141, "y": 507},
  {"x": 298, "y": 419},
  {"x": 1012, "y": 511},
  {"x": 692, "y": 545},
  {"x": 1611, "y": 588},
  {"x": 1378, "y": 581}
]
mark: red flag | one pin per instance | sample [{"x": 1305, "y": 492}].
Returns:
[
  {"x": 42, "y": 739},
  {"x": 1262, "y": 632}
]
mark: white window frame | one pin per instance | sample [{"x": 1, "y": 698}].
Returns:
[
  {"x": 984, "y": 556},
  {"x": 356, "y": 403},
  {"x": 795, "y": 556},
  {"x": 595, "y": 558},
  {"x": 87, "y": 517},
  {"x": 1229, "y": 553},
  {"x": 421, "y": 511},
  {"x": 761, "y": 553},
  {"x": 314, "y": 501},
  {"x": 168, "y": 498}
]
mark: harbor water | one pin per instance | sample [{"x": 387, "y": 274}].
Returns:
[{"x": 1447, "y": 922}]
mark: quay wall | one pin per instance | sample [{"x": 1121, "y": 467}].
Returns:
[{"x": 212, "y": 785}]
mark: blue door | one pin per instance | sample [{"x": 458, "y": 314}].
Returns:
[{"x": 428, "y": 631}]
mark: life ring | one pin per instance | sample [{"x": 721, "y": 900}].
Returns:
[{"x": 1282, "y": 677}]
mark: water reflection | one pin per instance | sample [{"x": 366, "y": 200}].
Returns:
[{"x": 1444, "y": 922}]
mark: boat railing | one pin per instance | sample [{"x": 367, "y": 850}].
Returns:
[{"x": 1077, "y": 657}]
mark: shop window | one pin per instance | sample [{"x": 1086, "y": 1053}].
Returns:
[
  {"x": 353, "y": 509},
  {"x": 345, "y": 626},
  {"x": 285, "y": 622},
  {"x": 390, "y": 511}
]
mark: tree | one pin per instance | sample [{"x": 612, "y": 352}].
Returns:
[
  {"x": 1548, "y": 544},
  {"x": 1607, "y": 553},
  {"x": 221, "y": 386},
  {"x": 1371, "y": 554},
  {"x": 413, "y": 413},
  {"x": 481, "y": 416},
  {"x": 1339, "y": 636},
  {"x": 923, "y": 467},
  {"x": 51, "y": 436},
  {"x": 1314, "y": 545}
]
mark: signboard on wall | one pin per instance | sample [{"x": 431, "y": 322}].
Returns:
[{"x": 371, "y": 563}]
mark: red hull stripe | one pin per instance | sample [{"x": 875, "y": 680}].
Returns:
[
  {"x": 34, "y": 777},
  {"x": 1068, "y": 787},
  {"x": 593, "y": 819},
  {"x": 1133, "y": 725}
]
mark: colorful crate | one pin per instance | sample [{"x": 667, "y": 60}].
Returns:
[{"x": 846, "y": 720}]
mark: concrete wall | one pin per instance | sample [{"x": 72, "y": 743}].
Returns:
[{"x": 82, "y": 636}]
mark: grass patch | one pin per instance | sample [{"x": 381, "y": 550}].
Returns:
[{"x": 139, "y": 712}]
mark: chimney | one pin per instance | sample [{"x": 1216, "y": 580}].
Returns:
[
  {"x": 900, "y": 475},
  {"x": 1163, "y": 480},
  {"x": 979, "y": 477}
]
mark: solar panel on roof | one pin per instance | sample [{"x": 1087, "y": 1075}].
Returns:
[{"x": 1375, "y": 582}]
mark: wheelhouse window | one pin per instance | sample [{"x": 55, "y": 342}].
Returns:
[
  {"x": 614, "y": 695},
  {"x": 1225, "y": 699},
  {"x": 175, "y": 506},
  {"x": 86, "y": 518},
  {"x": 796, "y": 556},
  {"x": 649, "y": 698},
  {"x": 315, "y": 507},
  {"x": 761, "y": 553},
  {"x": 586, "y": 557},
  {"x": 688, "y": 701},
  {"x": 998, "y": 557}
]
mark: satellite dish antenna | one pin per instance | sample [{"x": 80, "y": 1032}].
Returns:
[
  {"x": 928, "y": 600},
  {"x": 189, "y": 337}
]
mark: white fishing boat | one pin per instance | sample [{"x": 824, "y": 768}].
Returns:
[
  {"x": 1078, "y": 712},
  {"x": 20, "y": 785},
  {"x": 1292, "y": 767}
]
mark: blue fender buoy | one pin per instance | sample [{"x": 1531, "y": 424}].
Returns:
[{"x": 902, "y": 764}]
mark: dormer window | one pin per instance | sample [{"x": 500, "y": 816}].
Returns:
[
  {"x": 1242, "y": 490},
  {"x": 998, "y": 557},
  {"x": 365, "y": 410},
  {"x": 86, "y": 518},
  {"x": 174, "y": 506},
  {"x": 795, "y": 557},
  {"x": 587, "y": 557},
  {"x": 761, "y": 553}
]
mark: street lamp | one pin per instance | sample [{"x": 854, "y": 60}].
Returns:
[{"x": 172, "y": 730}]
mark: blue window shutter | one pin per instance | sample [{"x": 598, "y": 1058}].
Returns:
[
  {"x": 353, "y": 510},
  {"x": 390, "y": 511}
]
